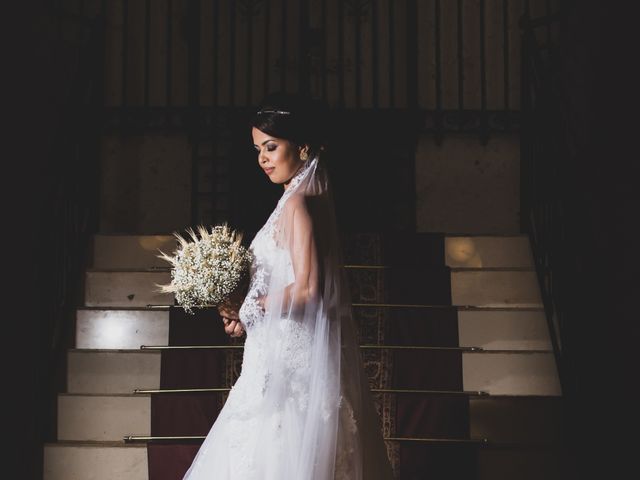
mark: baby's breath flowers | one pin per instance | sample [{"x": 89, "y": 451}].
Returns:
[{"x": 207, "y": 269}]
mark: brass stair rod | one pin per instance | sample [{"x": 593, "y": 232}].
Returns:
[
  {"x": 400, "y": 305},
  {"x": 190, "y": 347},
  {"x": 179, "y": 390},
  {"x": 358, "y": 305},
  {"x": 397, "y": 305},
  {"x": 374, "y": 390},
  {"x": 419, "y": 347},
  {"x": 349, "y": 266},
  {"x": 371, "y": 347},
  {"x": 482, "y": 441},
  {"x": 386, "y": 267},
  {"x": 472, "y": 393}
]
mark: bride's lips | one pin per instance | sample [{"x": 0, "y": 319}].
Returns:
[{"x": 269, "y": 170}]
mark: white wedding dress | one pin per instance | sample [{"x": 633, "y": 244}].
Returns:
[{"x": 301, "y": 408}]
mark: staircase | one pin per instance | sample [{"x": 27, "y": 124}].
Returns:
[{"x": 479, "y": 399}]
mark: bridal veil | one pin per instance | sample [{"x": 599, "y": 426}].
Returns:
[{"x": 316, "y": 399}]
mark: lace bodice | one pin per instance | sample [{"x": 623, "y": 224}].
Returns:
[
  {"x": 239, "y": 415},
  {"x": 267, "y": 256}
]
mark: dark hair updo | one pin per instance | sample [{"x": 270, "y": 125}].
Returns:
[{"x": 294, "y": 117}]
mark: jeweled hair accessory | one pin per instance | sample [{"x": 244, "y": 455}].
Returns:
[{"x": 282, "y": 112}]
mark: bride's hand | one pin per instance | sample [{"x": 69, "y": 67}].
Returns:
[
  {"x": 233, "y": 327},
  {"x": 228, "y": 310},
  {"x": 230, "y": 306}
]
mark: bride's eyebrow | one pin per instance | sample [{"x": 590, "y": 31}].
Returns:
[{"x": 267, "y": 140}]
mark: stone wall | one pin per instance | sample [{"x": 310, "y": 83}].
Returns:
[
  {"x": 145, "y": 183},
  {"x": 465, "y": 187}
]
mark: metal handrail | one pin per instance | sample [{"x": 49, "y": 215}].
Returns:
[
  {"x": 149, "y": 438},
  {"x": 542, "y": 109},
  {"x": 391, "y": 305},
  {"x": 370, "y": 305},
  {"x": 373, "y": 347},
  {"x": 312, "y": 63},
  {"x": 470, "y": 393},
  {"x": 70, "y": 216},
  {"x": 347, "y": 267},
  {"x": 364, "y": 347}
]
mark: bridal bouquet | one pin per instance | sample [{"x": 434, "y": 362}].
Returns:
[{"x": 207, "y": 269}]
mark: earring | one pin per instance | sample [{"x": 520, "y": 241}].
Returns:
[{"x": 304, "y": 156}]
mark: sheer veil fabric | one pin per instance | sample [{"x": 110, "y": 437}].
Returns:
[{"x": 301, "y": 407}]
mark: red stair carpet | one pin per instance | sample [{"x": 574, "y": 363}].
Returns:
[{"x": 418, "y": 276}]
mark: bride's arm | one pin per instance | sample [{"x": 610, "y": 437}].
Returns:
[{"x": 302, "y": 246}]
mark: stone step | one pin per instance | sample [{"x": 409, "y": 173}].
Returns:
[
  {"x": 488, "y": 251},
  {"x": 103, "y": 328},
  {"x": 130, "y": 252},
  {"x": 125, "y": 289},
  {"x": 95, "y": 461},
  {"x": 100, "y": 410},
  {"x": 513, "y": 373},
  {"x": 517, "y": 419},
  {"x": 83, "y": 417},
  {"x": 495, "y": 288},
  {"x": 112, "y": 372},
  {"x": 118, "y": 460},
  {"x": 505, "y": 329},
  {"x": 509, "y": 329},
  {"x": 482, "y": 288},
  {"x": 520, "y": 463},
  {"x": 502, "y": 420}
]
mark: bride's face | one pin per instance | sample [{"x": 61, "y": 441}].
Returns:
[{"x": 279, "y": 158}]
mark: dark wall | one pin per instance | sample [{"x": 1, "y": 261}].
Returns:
[
  {"x": 604, "y": 223},
  {"x": 371, "y": 161},
  {"x": 38, "y": 69},
  {"x": 604, "y": 358}
]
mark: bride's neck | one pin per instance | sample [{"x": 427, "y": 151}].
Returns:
[{"x": 286, "y": 184}]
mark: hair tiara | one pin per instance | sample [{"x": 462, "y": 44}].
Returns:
[{"x": 282, "y": 112}]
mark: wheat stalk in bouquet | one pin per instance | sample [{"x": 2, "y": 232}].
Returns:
[{"x": 208, "y": 268}]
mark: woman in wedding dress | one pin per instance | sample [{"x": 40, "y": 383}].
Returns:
[{"x": 301, "y": 408}]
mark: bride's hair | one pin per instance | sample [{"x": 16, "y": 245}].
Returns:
[{"x": 294, "y": 117}]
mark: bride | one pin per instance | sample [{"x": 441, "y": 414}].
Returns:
[{"x": 301, "y": 408}]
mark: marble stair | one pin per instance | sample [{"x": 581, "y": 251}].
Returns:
[{"x": 493, "y": 286}]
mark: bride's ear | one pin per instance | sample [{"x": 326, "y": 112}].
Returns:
[{"x": 303, "y": 151}]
